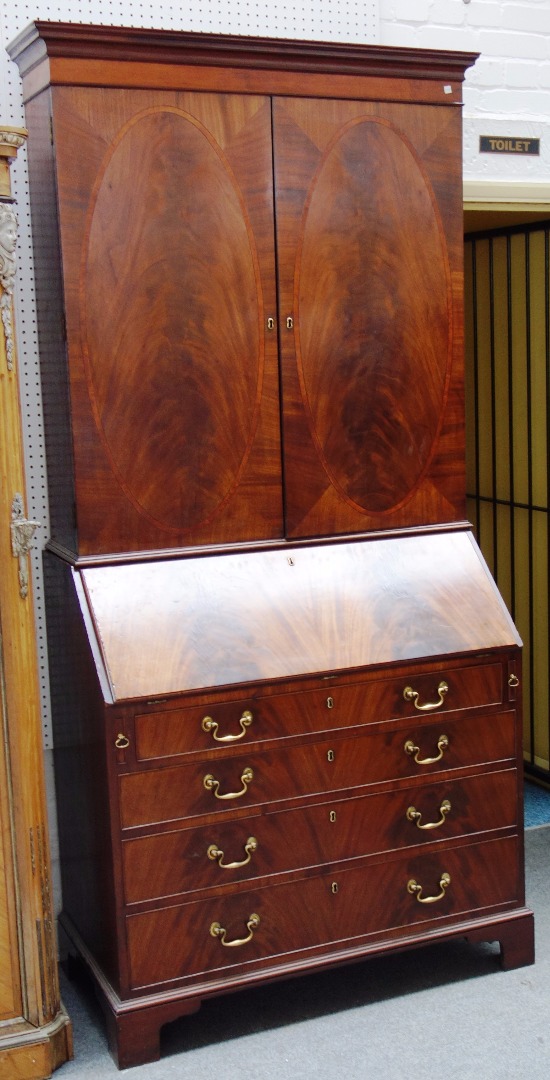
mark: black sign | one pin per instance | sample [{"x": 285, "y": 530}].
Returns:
[{"x": 505, "y": 144}]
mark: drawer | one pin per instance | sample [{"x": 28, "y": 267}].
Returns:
[
  {"x": 324, "y": 914},
  {"x": 297, "y": 771},
  {"x": 277, "y": 842},
  {"x": 336, "y": 705}
]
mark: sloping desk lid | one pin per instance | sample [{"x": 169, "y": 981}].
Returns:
[{"x": 215, "y": 620}]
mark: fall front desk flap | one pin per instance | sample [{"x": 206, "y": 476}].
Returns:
[{"x": 215, "y": 620}]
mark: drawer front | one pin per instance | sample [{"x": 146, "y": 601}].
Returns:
[
  {"x": 320, "y": 914},
  {"x": 273, "y": 843},
  {"x": 336, "y": 705},
  {"x": 219, "y": 785}
]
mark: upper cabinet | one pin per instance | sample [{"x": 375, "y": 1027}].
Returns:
[{"x": 254, "y": 328}]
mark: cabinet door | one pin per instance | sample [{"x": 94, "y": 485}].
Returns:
[
  {"x": 166, "y": 220},
  {"x": 369, "y": 230}
]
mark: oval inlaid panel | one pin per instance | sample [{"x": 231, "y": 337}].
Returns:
[
  {"x": 165, "y": 340},
  {"x": 373, "y": 349}
]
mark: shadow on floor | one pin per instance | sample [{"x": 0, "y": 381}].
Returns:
[{"x": 308, "y": 997}]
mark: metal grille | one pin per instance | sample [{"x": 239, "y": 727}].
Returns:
[{"x": 507, "y": 327}]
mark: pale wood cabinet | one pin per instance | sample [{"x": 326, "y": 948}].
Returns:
[
  {"x": 286, "y": 690},
  {"x": 35, "y": 1033}
]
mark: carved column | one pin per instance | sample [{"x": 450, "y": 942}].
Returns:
[{"x": 35, "y": 1032}]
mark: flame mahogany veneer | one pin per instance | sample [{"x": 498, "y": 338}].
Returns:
[{"x": 286, "y": 691}]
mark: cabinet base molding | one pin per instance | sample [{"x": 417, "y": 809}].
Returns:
[
  {"x": 516, "y": 937},
  {"x": 34, "y": 1054},
  {"x": 134, "y": 1026}
]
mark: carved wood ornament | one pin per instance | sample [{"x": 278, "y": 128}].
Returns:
[{"x": 11, "y": 139}]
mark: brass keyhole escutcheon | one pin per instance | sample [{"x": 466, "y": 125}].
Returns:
[
  {"x": 334, "y": 888},
  {"x": 330, "y": 755},
  {"x": 332, "y": 816},
  {"x": 330, "y": 703}
]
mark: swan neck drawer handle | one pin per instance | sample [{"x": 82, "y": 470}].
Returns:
[
  {"x": 211, "y": 784},
  {"x": 412, "y": 695},
  {"x": 416, "y": 890},
  {"x": 413, "y": 750},
  {"x": 210, "y": 725},
  {"x": 218, "y": 931},
  {"x": 414, "y": 815},
  {"x": 216, "y": 855}
]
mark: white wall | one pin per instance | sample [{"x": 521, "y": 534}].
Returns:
[{"x": 507, "y": 92}]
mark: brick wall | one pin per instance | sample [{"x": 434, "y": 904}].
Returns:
[{"x": 507, "y": 93}]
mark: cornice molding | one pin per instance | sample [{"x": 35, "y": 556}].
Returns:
[{"x": 78, "y": 41}]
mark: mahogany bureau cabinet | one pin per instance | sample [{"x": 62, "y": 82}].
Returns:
[{"x": 286, "y": 690}]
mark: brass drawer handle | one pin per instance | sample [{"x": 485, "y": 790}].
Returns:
[
  {"x": 214, "y": 785},
  {"x": 216, "y": 855},
  {"x": 122, "y": 741},
  {"x": 218, "y": 931},
  {"x": 415, "y": 815},
  {"x": 411, "y": 748},
  {"x": 208, "y": 724},
  {"x": 412, "y": 695},
  {"x": 415, "y": 890}
]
